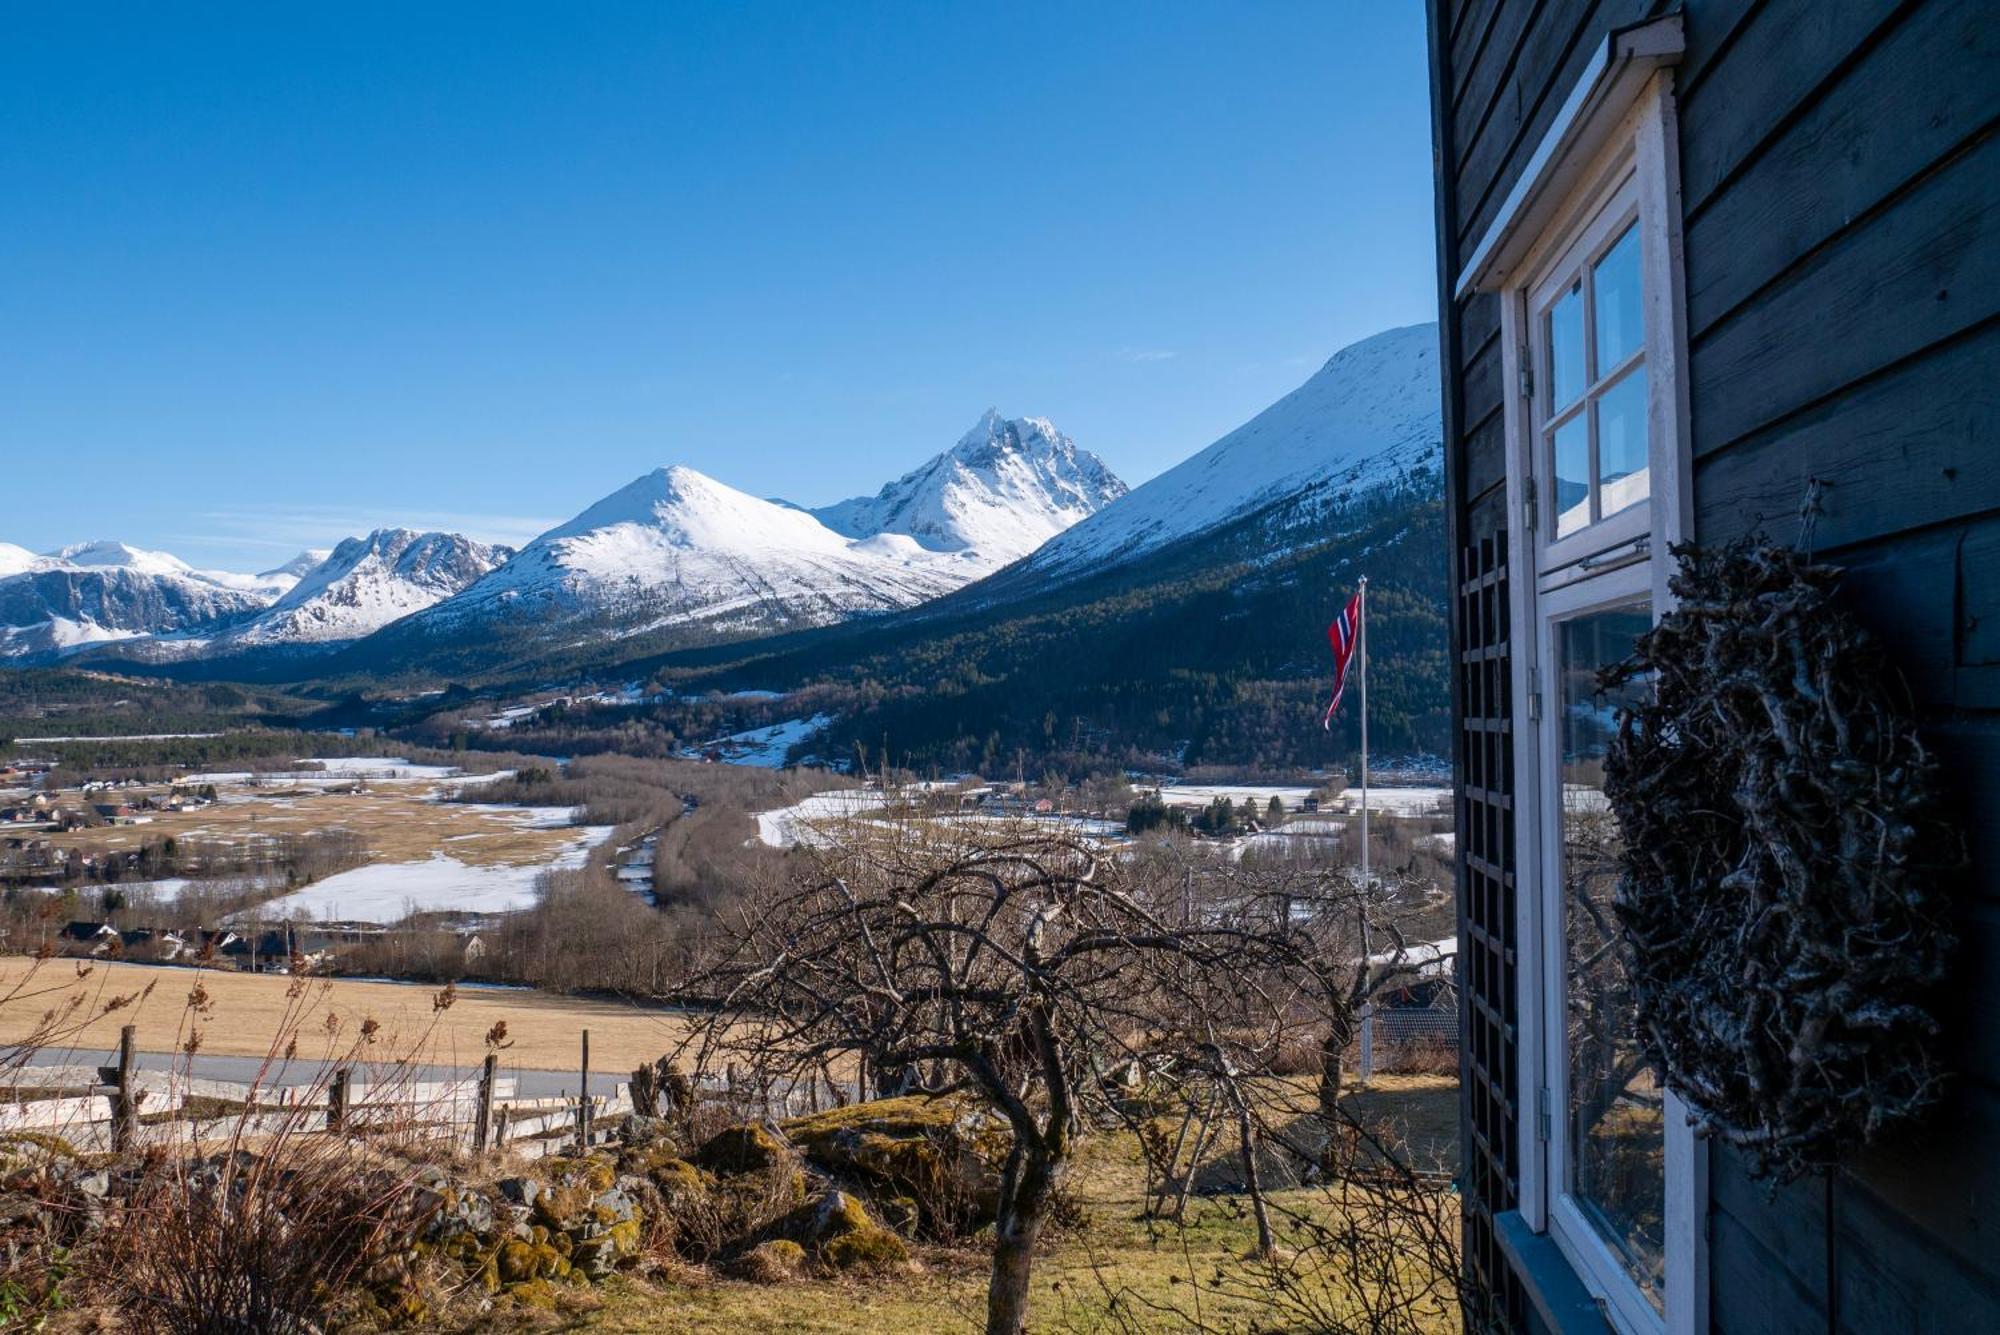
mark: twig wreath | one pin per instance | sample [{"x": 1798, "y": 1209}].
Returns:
[{"x": 1785, "y": 863}]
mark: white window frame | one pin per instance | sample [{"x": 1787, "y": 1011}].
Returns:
[{"x": 1612, "y": 155}]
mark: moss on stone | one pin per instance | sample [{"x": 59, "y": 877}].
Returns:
[
  {"x": 749, "y": 1148},
  {"x": 866, "y": 1249},
  {"x": 770, "y": 1262}
]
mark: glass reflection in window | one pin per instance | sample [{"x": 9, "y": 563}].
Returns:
[
  {"x": 1614, "y": 283},
  {"x": 1622, "y": 476},
  {"x": 1616, "y": 1117},
  {"x": 1569, "y": 376}
]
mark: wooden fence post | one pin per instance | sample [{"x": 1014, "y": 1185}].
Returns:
[
  {"x": 125, "y": 1110},
  {"x": 583, "y": 1098},
  {"x": 336, "y": 1101},
  {"x": 482, "y": 1124}
]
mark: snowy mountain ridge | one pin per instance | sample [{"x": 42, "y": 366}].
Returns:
[
  {"x": 676, "y": 547},
  {"x": 1003, "y": 490},
  {"x": 1369, "y": 416},
  {"x": 678, "y": 552},
  {"x": 159, "y": 607},
  {"x": 366, "y": 583}
]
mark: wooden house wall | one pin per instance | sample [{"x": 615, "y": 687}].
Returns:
[{"x": 1841, "y": 209}]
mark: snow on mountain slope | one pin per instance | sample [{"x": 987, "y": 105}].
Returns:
[
  {"x": 299, "y": 566},
  {"x": 677, "y": 547},
  {"x": 1367, "y": 417},
  {"x": 55, "y": 605},
  {"x": 14, "y": 560},
  {"x": 1003, "y": 490},
  {"x": 365, "y": 583},
  {"x": 105, "y": 555}
]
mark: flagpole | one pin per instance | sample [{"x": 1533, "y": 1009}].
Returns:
[{"x": 1362, "y": 645}]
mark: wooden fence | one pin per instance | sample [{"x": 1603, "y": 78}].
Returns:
[{"x": 129, "y": 1104}]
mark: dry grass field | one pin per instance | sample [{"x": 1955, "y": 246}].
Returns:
[
  {"x": 250, "y": 1009},
  {"x": 400, "y": 820}
]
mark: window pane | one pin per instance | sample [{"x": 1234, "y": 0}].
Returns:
[
  {"x": 1615, "y": 285},
  {"x": 1622, "y": 476},
  {"x": 1617, "y": 1122},
  {"x": 1572, "y": 475},
  {"x": 1567, "y": 376}
]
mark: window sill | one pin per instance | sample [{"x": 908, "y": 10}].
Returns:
[{"x": 1552, "y": 1288}]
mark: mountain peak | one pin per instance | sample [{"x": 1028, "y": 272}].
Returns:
[
  {"x": 102, "y": 553},
  {"x": 299, "y": 565},
  {"x": 1006, "y": 487},
  {"x": 1368, "y": 415}
]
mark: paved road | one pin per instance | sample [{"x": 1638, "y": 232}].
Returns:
[{"x": 529, "y": 1084}]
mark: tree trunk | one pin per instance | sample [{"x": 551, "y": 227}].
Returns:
[
  {"x": 1332, "y": 1048},
  {"x": 1025, "y": 1194},
  {"x": 1267, "y": 1245}
]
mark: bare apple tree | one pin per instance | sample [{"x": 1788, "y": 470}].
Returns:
[{"x": 1025, "y": 967}]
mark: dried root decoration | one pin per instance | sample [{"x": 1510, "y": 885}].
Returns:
[{"x": 1785, "y": 864}]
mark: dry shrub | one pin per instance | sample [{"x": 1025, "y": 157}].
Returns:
[
  {"x": 1419, "y": 1056},
  {"x": 245, "y": 1241}
]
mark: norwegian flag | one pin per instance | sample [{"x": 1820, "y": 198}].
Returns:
[{"x": 1343, "y": 634}]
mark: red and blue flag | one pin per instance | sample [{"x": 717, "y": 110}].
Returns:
[{"x": 1343, "y": 634}]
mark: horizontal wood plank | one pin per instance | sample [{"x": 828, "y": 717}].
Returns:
[
  {"x": 1779, "y": 60},
  {"x": 1926, "y": 88},
  {"x": 1709, "y": 29},
  {"x": 1487, "y": 79},
  {"x": 1751, "y": 1292},
  {"x": 1788, "y": 1223},
  {"x": 1915, "y": 275},
  {"x": 1891, "y": 1276},
  {"x": 1908, "y": 449}
]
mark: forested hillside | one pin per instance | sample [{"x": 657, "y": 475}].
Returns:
[{"x": 1210, "y": 652}]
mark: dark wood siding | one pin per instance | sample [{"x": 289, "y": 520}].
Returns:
[
  {"x": 1840, "y": 172},
  {"x": 1841, "y": 197}
]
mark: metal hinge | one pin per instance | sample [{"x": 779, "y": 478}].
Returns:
[
  {"x": 1527, "y": 375},
  {"x": 1543, "y": 1126},
  {"x": 1531, "y": 505},
  {"x": 1535, "y": 701}
]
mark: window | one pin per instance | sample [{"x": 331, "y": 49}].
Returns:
[
  {"x": 1616, "y": 1128},
  {"x": 1592, "y": 401},
  {"x": 1592, "y": 335}
]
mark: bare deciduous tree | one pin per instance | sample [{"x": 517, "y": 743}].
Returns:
[{"x": 1021, "y": 965}]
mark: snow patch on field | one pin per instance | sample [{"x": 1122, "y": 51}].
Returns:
[
  {"x": 809, "y": 822},
  {"x": 389, "y": 892},
  {"x": 1401, "y": 801},
  {"x": 767, "y": 747},
  {"x": 1201, "y": 794}
]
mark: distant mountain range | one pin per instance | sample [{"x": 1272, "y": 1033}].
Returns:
[
  {"x": 1183, "y": 624},
  {"x": 676, "y": 568}
]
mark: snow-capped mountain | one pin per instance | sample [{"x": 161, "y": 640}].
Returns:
[
  {"x": 155, "y": 606},
  {"x": 98, "y": 592},
  {"x": 681, "y": 555},
  {"x": 1003, "y": 490},
  {"x": 364, "y": 584},
  {"x": 1369, "y": 416},
  {"x": 299, "y": 566},
  {"x": 676, "y": 547}
]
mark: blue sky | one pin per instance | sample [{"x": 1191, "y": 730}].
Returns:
[{"x": 270, "y": 278}]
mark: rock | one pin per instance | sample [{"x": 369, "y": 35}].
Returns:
[
  {"x": 642, "y": 1130},
  {"x": 769, "y": 1262},
  {"x": 520, "y": 1190},
  {"x": 96, "y": 1185},
  {"x": 938, "y": 1160},
  {"x": 841, "y": 1233},
  {"x": 749, "y": 1148}
]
